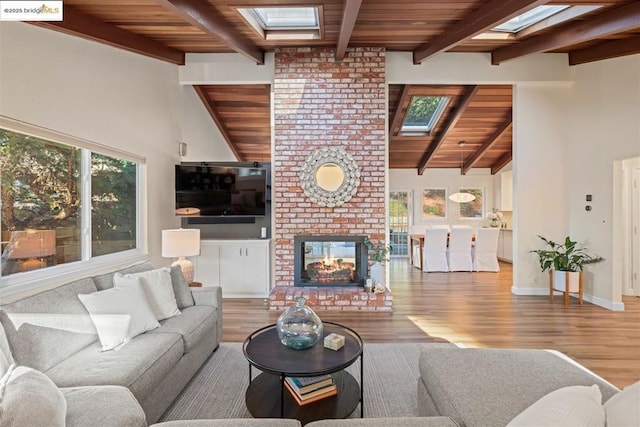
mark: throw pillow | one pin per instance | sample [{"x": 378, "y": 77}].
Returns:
[
  {"x": 158, "y": 288},
  {"x": 6, "y": 358},
  {"x": 184, "y": 298},
  {"x": 568, "y": 406},
  {"x": 29, "y": 398},
  {"x": 623, "y": 409},
  {"x": 119, "y": 314}
]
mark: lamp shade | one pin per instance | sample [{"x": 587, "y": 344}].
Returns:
[
  {"x": 181, "y": 242},
  {"x": 462, "y": 197},
  {"x": 32, "y": 244}
]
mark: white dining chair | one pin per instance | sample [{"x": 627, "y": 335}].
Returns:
[
  {"x": 459, "y": 250},
  {"x": 440, "y": 226},
  {"x": 460, "y": 226},
  {"x": 435, "y": 250},
  {"x": 485, "y": 251}
]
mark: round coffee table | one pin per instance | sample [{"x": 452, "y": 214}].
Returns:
[{"x": 266, "y": 396}]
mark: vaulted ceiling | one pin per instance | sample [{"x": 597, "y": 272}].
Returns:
[{"x": 478, "y": 116}]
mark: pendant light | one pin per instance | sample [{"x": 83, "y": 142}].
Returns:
[{"x": 460, "y": 197}]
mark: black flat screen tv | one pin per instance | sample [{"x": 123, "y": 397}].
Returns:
[{"x": 211, "y": 190}]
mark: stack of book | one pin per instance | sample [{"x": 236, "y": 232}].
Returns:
[{"x": 310, "y": 389}]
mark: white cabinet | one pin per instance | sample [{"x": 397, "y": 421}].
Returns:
[
  {"x": 240, "y": 267},
  {"x": 505, "y": 245},
  {"x": 506, "y": 191}
]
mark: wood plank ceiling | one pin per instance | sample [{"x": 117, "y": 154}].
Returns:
[{"x": 168, "y": 29}]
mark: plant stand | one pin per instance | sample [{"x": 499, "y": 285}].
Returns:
[{"x": 566, "y": 291}]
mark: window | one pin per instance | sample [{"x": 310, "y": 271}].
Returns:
[
  {"x": 44, "y": 216},
  {"x": 526, "y": 19},
  {"x": 423, "y": 114},
  {"x": 281, "y": 23},
  {"x": 434, "y": 203},
  {"x": 399, "y": 220},
  {"x": 474, "y": 208}
]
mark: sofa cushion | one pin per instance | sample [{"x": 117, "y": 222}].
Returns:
[
  {"x": 233, "y": 422},
  {"x": 119, "y": 314},
  {"x": 29, "y": 398},
  {"x": 139, "y": 365},
  {"x": 513, "y": 378},
  {"x": 157, "y": 287},
  {"x": 54, "y": 317},
  {"x": 6, "y": 357},
  {"x": 192, "y": 324},
  {"x": 387, "y": 422},
  {"x": 181, "y": 288},
  {"x": 567, "y": 406},
  {"x": 105, "y": 281},
  {"x": 623, "y": 409},
  {"x": 104, "y": 406}
]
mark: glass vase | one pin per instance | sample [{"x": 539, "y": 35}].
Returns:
[
  {"x": 495, "y": 223},
  {"x": 299, "y": 327}
]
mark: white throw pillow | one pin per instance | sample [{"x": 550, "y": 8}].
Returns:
[
  {"x": 119, "y": 314},
  {"x": 623, "y": 409},
  {"x": 568, "y": 406},
  {"x": 29, "y": 398},
  {"x": 158, "y": 288}
]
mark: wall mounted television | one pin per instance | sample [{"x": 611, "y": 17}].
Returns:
[{"x": 207, "y": 189}]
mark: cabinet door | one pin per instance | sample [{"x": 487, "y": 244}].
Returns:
[
  {"x": 508, "y": 246},
  {"x": 232, "y": 268},
  {"x": 207, "y": 266},
  {"x": 256, "y": 270}
]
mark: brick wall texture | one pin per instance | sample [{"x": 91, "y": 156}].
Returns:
[{"x": 318, "y": 103}]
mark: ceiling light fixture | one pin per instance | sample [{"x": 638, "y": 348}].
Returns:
[{"x": 461, "y": 197}]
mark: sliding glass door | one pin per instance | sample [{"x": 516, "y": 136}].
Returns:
[{"x": 399, "y": 220}]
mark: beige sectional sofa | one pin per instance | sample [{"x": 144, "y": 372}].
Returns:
[{"x": 52, "y": 332}]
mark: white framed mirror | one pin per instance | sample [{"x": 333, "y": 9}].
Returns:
[{"x": 330, "y": 177}]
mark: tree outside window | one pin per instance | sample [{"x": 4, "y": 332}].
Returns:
[
  {"x": 474, "y": 208},
  {"x": 434, "y": 203}
]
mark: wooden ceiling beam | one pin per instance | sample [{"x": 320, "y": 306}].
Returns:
[
  {"x": 608, "y": 50},
  {"x": 486, "y": 146},
  {"x": 349, "y": 16},
  {"x": 487, "y": 16},
  {"x": 201, "y": 15},
  {"x": 502, "y": 162},
  {"x": 210, "y": 106},
  {"x": 396, "y": 120},
  {"x": 620, "y": 19},
  {"x": 89, "y": 28},
  {"x": 451, "y": 123}
]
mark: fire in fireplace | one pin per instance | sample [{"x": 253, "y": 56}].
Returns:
[{"x": 330, "y": 260}]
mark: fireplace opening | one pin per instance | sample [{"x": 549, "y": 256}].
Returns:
[{"x": 330, "y": 261}]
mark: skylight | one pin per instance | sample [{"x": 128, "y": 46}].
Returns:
[
  {"x": 285, "y": 23},
  {"x": 423, "y": 114},
  {"x": 526, "y": 19}
]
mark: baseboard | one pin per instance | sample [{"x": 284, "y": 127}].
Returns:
[{"x": 609, "y": 305}]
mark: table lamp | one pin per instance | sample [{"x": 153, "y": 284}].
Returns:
[{"x": 182, "y": 243}]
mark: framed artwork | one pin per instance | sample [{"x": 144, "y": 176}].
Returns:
[{"x": 434, "y": 203}]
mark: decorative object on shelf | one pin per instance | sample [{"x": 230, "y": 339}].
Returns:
[
  {"x": 565, "y": 263},
  {"x": 495, "y": 217},
  {"x": 368, "y": 285},
  {"x": 181, "y": 243},
  {"x": 334, "y": 341},
  {"x": 379, "y": 289},
  {"x": 330, "y": 177},
  {"x": 378, "y": 252},
  {"x": 460, "y": 197},
  {"x": 299, "y": 327}
]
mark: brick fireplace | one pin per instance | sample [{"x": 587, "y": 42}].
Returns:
[{"x": 320, "y": 102}]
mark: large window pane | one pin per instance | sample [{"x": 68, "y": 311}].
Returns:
[
  {"x": 474, "y": 208},
  {"x": 40, "y": 222},
  {"x": 113, "y": 205},
  {"x": 434, "y": 203}
]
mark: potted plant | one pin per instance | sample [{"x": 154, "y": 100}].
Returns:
[
  {"x": 566, "y": 262},
  {"x": 378, "y": 252}
]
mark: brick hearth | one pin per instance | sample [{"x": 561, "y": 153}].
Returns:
[
  {"x": 331, "y": 298},
  {"x": 319, "y": 102}
]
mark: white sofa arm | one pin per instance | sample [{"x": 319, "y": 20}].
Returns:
[{"x": 212, "y": 296}]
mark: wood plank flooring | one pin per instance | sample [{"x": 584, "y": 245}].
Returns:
[{"x": 478, "y": 310}]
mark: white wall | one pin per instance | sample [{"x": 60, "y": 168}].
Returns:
[
  {"x": 604, "y": 118},
  {"x": 409, "y": 180},
  {"x": 110, "y": 97}
]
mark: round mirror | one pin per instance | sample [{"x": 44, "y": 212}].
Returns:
[{"x": 329, "y": 176}]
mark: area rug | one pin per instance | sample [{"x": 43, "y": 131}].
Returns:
[{"x": 217, "y": 391}]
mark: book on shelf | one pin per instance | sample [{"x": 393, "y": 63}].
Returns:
[
  {"x": 312, "y": 396},
  {"x": 306, "y": 384}
]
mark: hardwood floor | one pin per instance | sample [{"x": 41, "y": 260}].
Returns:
[{"x": 478, "y": 310}]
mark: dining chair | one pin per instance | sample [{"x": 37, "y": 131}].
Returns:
[
  {"x": 485, "y": 251},
  {"x": 460, "y": 226},
  {"x": 435, "y": 250},
  {"x": 459, "y": 250},
  {"x": 440, "y": 226}
]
